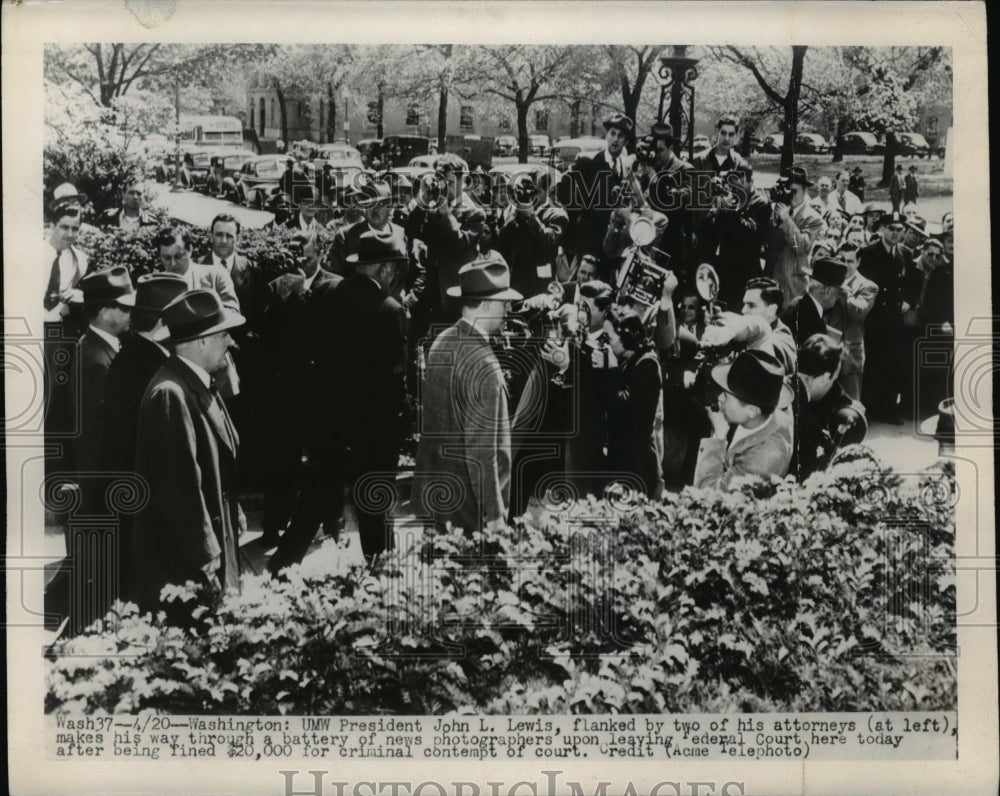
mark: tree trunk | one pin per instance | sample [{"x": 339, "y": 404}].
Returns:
[
  {"x": 838, "y": 142},
  {"x": 574, "y": 119},
  {"x": 380, "y": 127},
  {"x": 331, "y": 113},
  {"x": 442, "y": 125},
  {"x": 522, "y": 132},
  {"x": 282, "y": 111},
  {"x": 889, "y": 161},
  {"x": 791, "y": 107},
  {"x": 745, "y": 146}
]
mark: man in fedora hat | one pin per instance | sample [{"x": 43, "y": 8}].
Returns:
[
  {"x": 108, "y": 298},
  {"x": 796, "y": 226},
  {"x": 884, "y": 263},
  {"x": 856, "y": 183},
  {"x": 361, "y": 363},
  {"x": 817, "y": 311},
  {"x": 592, "y": 189},
  {"x": 141, "y": 355},
  {"x": 751, "y": 436},
  {"x": 285, "y": 328},
  {"x": 375, "y": 201},
  {"x": 463, "y": 464},
  {"x": 187, "y": 451},
  {"x": 896, "y": 188}
]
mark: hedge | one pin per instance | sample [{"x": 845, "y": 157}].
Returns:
[{"x": 836, "y": 595}]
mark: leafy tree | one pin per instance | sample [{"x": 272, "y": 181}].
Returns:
[{"x": 769, "y": 66}]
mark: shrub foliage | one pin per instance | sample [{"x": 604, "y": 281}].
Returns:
[{"x": 835, "y": 595}]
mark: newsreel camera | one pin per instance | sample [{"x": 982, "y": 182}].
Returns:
[
  {"x": 640, "y": 278},
  {"x": 706, "y": 282}
]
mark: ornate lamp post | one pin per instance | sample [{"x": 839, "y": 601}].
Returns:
[{"x": 678, "y": 73}]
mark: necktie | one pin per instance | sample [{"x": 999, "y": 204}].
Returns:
[
  {"x": 843, "y": 202},
  {"x": 52, "y": 293},
  {"x": 730, "y": 434}
]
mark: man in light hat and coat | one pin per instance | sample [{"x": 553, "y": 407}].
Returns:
[
  {"x": 590, "y": 189},
  {"x": 751, "y": 433},
  {"x": 65, "y": 263},
  {"x": 141, "y": 355},
  {"x": 463, "y": 467},
  {"x": 187, "y": 451},
  {"x": 795, "y": 228}
]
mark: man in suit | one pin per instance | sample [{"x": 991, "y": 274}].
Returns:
[
  {"x": 186, "y": 450},
  {"x": 65, "y": 263},
  {"x": 750, "y": 436},
  {"x": 131, "y": 215},
  {"x": 826, "y": 418},
  {"x": 108, "y": 298},
  {"x": 285, "y": 334},
  {"x": 796, "y": 227},
  {"x": 883, "y": 263},
  {"x": 225, "y": 236},
  {"x": 593, "y": 188},
  {"x": 731, "y": 234},
  {"x": 896, "y": 188},
  {"x": 722, "y": 156},
  {"x": 764, "y": 298},
  {"x": 365, "y": 356},
  {"x": 856, "y": 300},
  {"x": 817, "y": 312},
  {"x": 375, "y": 201},
  {"x": 530, "y": 234},
  {"x": 911, "y": 188},
  {"x": 174, "y": 247},
  {"x": 463, "y": 467},
  {"x": 669, "y": 192},
  {"x": 140, "y": 357}
]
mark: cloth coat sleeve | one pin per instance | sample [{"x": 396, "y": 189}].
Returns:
[
  {"x": 859, "y": 304},
  {"x": 223, "y": 284},
  {"x": 171, "y": 440},
  {"x": 483, "y": 432}
]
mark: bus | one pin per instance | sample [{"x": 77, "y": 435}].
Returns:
[{"x": 211, "y": 130}]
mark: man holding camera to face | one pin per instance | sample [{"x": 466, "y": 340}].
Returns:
[
  {"x": 796, "y": 225},
  {"x": 530, "y": 234}
]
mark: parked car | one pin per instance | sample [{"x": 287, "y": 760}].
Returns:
[
  {"x": 337, "y": 155},
  {"x": 913, "y": 145},
  {"x": 811, "y": 144},
  {"x": 860, "y": 143},
  {"x": 398, "y": 150},
  {"x": 505, "y": 145},
  {"x": 203, "y": 156},
  {"x": 430, "y": 161},
  {"x": 756, "y": 142},
  {"x": 564, "y": 152},
  {"x": 259, "y": 176},
  {"x": 538, "y": 145},
  {"x": 773, "y": 143}
]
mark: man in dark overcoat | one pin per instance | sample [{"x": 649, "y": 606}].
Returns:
[{"x": 186, "y": 450}]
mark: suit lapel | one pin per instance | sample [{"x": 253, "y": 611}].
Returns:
[{"x": 216, "y": 413}]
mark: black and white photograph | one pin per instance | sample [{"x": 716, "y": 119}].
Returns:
[{"x": 606, "y": 413}]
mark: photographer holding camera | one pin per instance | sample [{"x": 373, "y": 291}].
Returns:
[
  {"x": 669, "y": 192},
  {"x": 531, "y": 231},
  {"x": 796, "y": 225},
  {"x": 730, "y": 236}
]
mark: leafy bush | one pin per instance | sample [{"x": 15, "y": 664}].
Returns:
[{"x": 835, "y": 595}]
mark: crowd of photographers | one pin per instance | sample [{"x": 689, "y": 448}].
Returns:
[{"x": 641, "y": 323}]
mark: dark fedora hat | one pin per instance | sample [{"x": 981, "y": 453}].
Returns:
[
  {"x": 376, "y": 248},
  {"x": 198, "y": 313},
  {"x": 485, "y": 278},
  {"x": 110, "y": 285},
  {"x": 829, "y": 271},
  {"x": 799, "y": 176},
  {"x": 621, "y": 121},
  {"x": 942, "y": 425},
  {"x": 153, "y": 292},
  {"x": 755, "y": 377}
]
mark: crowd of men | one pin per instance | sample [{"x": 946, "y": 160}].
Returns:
[{"x": 503, "y": 331}]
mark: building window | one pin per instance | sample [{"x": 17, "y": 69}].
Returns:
[
  {"x": 412, "y": 114},
  {"x": 374, "y": 117},
  {"x": 465, "y": 119},
  {"x": 504, "y": 123},
  {"x": 274, "y": 115},
  {"x": 542, "y": 121}
]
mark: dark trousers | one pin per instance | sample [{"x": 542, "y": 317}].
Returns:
[{"x": 883, "y": 355}]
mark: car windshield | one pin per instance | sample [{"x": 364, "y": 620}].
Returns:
[{"x": 266, "y": 167}]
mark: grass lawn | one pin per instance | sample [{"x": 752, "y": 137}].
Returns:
[{"x": 929, "y": 172}]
